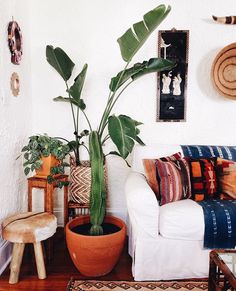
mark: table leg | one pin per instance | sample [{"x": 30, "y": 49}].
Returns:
[
  {"x": 49, "y": 198},
  {"x": 212, "y": 276},
  {"x": 65, "y": 205},
  {"x": 29, "y": 197}
]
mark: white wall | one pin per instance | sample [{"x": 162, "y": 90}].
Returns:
[
  {"x": 87, "y": 30},
  {"x": 15, "y": 117}
]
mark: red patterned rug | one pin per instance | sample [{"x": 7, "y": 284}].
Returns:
[{"x": 92, "y": 285}]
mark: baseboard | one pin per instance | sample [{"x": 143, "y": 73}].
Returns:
[{"x": 5, "y": 255}]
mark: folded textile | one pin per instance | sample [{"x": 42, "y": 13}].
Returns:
[
  {"x": 220, "y": 223},
  {"x": 208, "y": 151}
]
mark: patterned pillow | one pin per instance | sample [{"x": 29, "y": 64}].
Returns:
[
  {"x": 174, "y": 180},
  {"x": 203, "y": 178},
  {"x": 226, "y": 171},
  {"x": 151, "y": 171}
]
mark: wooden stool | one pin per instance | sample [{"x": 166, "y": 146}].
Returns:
[
  {"x": 42, "y": 183},
  {"x": 28, "y": 227}
]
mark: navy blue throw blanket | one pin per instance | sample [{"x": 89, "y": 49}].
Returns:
[
  {"x": 208, "y": 151},
  {"x": 220, "y": 223}
]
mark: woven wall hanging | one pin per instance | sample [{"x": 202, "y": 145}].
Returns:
[
  {"x": 224, "y": 71},
  {"x": 15, "y": 42}
]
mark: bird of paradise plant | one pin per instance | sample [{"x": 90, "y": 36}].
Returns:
[{"x": 121, "y": 129}]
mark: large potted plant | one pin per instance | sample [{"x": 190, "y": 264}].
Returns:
[{"x": 122, "y": 130}]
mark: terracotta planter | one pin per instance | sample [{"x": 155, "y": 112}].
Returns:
[
  {"x": 48, "y": 162},
  {"x": 95, "y": 256}
]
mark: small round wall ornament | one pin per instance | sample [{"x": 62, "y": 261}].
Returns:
[
  {"x": 15, "y": 42},
  {"x": 15, "y": 84}
]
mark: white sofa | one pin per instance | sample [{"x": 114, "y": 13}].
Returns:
[{"x": 165, "y": 242}]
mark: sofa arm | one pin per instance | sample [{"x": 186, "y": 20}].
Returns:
[{"x": 142, "y": 206}]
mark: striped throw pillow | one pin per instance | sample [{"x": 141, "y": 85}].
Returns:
[
  {"x": 174, "y": 180},
  {"x": 151, "y": 171}
]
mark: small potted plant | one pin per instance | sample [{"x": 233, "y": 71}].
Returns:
[
  {"x": 45, "y": 156},
  {"x": 93, "y": 253}
]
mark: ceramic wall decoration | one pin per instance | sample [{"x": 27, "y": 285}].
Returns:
[
  {"x": 224, "y": 71},
  {"x": 15, "y": 42},
  {"x": 171, "y": 100},
  {"x": 225, "y": 19},
  {"x": 15, "y": 84}
]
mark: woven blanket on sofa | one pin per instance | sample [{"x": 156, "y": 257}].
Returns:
[
  {"x": 220, "y": 223},
  {"x": 205, "y": 151}
]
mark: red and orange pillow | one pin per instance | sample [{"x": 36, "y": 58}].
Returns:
[
  {"x": 204, "y": 182},
  {"x": 226, "y": 171},
  {"x": 169, "y": 178}
]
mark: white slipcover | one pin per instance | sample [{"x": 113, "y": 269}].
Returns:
[{"x": 165, "y": 242}]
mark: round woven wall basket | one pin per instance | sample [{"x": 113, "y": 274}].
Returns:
[{"x": 224, "y": 71}]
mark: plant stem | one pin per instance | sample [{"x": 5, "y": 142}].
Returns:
[
  {"x": 77, "y": 158},
  {"x": 109, "y": 103},
  {"x": 86, "y": 147},
  {"x": 117, "y": 97},
  {"x": 86, "y": 117},
  {"x": 105, "y": 139},
  {"x": 72, "y": 109}
]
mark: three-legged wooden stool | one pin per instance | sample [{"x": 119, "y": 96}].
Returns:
[{"x": 28, "y": 227}]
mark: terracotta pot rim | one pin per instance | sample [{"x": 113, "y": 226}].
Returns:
[{"x": 122, "y": 228}]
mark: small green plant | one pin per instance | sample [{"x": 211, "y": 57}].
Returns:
[{"x": 44, "y": 145}]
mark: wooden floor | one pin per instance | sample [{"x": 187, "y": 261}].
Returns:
[{"x": 59, "y": 271}]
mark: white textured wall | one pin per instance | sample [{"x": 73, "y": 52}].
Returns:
[
  {"x": 87, "y": 30},
  {"x": 15, "y": 114}
]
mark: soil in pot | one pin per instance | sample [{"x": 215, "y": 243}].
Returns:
[{"x": 108, "y": 228}]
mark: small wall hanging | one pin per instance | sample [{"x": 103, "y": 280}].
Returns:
[
  {"x": 224, "y": 71},
  {"x": 15, "y": 84},
  {"x": 15, "y": 42},
  {"x": 172, "y": 85},
  {"x": 225, "y": 19}
]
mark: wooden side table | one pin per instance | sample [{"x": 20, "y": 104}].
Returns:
[
  {"x": 77, "y": 209},
  {"x": 42, "y": 183},
  {"x": 222, "y": 270}
]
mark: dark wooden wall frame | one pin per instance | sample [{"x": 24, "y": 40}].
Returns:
[{"x": 172, "y": 85}]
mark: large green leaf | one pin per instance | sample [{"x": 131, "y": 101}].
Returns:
[
  {"x": 76, "y": 89},
  {"x": 80, "y": 103},
  {"x": 98, "y": 192},
  {"x": 122, "y": 130},
  {"x": 60, "y": 61},
  {"x": 133, "y": 39},
  {"x": 140, "y": 69}
]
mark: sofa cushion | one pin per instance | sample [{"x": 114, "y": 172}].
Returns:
[
  {"x": 203, "y": 178},
  {"x": 174, "y": 180},
  {"x": 151, "y": 171},
  {"x": 182, "y": 220},
  {"x": 226, "y": 171}
]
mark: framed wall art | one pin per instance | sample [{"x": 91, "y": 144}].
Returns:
[{"x": 172, "y": 85}]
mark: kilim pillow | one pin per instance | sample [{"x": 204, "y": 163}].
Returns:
[
  {"x": 151, "y": 172},
  {"x": 226, "y": 171},
  {"x": 203, "y": 178},
  {"x": 174, "y": 179}
]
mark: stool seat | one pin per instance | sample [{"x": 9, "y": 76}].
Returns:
[{"x": 29, "y": 227}]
